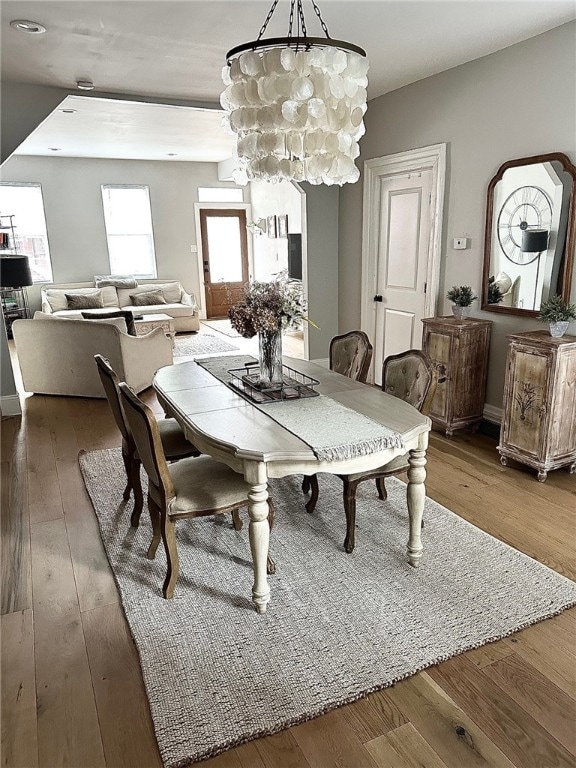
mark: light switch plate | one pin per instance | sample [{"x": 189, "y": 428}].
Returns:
[{"x": 460, "y": 243}]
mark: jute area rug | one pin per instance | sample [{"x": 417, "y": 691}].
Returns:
[
  {"x": 200, "y": 344},
  {"x": 338, "y": 626}
]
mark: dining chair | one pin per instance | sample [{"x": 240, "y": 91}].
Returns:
[
  {"x": 412, "y": 377},
  {"x": 193, "y": 487},
  {"x": 174, "y": 443},
  {"x": 350, "y": 354}
]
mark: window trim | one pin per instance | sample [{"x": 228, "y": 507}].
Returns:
[
  {"x": 131, "y": 186},
  {"x": 39, "y": 185}
]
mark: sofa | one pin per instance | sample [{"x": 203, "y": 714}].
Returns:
[
  {"x": 56, "y": 356},
  {"x": 181, "y": 306}
]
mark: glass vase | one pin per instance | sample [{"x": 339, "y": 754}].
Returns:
[{"x": 270, "y": 358}]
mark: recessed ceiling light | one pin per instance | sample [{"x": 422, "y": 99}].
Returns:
[
  {"x": 172, "y": 154},
  {"x": 54, "y": 149},
  {"x": 32, "y": 27},
  {"x": 85, "y": 85},
  {"x": 69, "y": 111}
]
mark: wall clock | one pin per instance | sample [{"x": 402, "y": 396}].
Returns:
[{"x": 526, "y": 208}]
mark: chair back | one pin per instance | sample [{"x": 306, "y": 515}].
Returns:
[
  {"x": 146, "y": 435},
  {"x": 110, "y": 383},
  {"x": 351, "y": 354},
  {"x": 412, "y": 377}
]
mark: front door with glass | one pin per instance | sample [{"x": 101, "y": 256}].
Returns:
[{"x": 225, "y": 258}]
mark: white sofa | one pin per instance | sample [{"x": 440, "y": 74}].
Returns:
[
  {"x": 181, "y": 306},
  {"x": 56, "y": 356}
]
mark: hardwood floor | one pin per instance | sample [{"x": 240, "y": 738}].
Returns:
[{"x": 72, "y": 692}]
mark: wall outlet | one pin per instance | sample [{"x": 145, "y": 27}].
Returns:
[{"x": 460, "y": 243}]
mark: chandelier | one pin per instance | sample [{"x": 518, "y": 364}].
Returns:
[{"x": 296, "y": 104}]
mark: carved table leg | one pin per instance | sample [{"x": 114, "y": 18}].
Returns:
[
  {"x": 416, "y": 495},
  {"x": 259, "y": 532}
]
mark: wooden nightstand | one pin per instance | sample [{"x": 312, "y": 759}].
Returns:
[
  {"x": 459, "y": 349},
  {"x": 539, "y": 415}
]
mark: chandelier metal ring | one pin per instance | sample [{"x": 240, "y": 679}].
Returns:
[{"x": 299, "y": 43}]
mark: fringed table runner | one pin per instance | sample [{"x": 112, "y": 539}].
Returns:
[{"x": 333, "y": 431}]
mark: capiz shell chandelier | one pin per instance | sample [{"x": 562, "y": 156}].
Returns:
[{"x": 296, "y": 104}]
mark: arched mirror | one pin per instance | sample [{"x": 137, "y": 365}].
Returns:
[{"x": 530, "y": 234}]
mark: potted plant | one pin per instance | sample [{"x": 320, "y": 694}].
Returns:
[
  {"x": 558, "y": 314},
  {"x": 461, "y": 297},
  {"x": 495, "y": 295}
]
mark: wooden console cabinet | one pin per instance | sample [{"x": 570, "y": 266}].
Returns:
[
  {"x": 539, "y": 414},
  {"x": 459, "y": 350}
]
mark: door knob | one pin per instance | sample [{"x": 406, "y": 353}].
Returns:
[{"x": 378, "y": 297}]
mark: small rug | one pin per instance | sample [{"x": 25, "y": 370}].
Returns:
[
  {"x": 200, "y": 344},
  {"x": 222, "y": 326},
  {"x": 338, "y": 626}
]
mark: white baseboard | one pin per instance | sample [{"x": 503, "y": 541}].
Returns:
[
  {"x": 10, "y": 405},
  {"x": 491, "y": 413}
]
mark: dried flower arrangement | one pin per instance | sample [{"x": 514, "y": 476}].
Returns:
[{"x": 269, "y": 307}]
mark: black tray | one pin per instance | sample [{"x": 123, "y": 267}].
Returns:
[{"x": 294, "y": 386}]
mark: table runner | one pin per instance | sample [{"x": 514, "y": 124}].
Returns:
[{"x": 328, "y": 427}]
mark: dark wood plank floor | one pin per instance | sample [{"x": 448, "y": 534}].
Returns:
[{"x": 72, "y": 692}]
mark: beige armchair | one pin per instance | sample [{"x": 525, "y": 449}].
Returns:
[{"x": 56, "y": 357}]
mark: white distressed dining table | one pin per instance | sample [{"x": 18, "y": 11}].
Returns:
[{"x": 226, "y": 426}]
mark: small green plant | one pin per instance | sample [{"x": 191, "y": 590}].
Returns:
[
  {"x": 462, "y": 296},
  {"x": 495, "y": 295},
  {"x": 556, "y": 310}
]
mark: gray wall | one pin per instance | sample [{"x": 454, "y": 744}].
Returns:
[
  {"x": 322, "y": 256},
  {"x": 71, "y": 189},
  {"x": 514, "y": 103}
]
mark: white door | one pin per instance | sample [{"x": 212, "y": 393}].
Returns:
[{"x": 403, "y": 252}]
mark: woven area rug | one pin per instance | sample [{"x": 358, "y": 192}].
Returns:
[
  {"x": 338, "y": 626},
  {"x": 200, "y": 344},
  {"x": 222, "y": 326}
]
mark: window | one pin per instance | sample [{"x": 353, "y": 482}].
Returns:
[
  {"x": 220, "y": 195},
  {"x": 25, "y": 202},
  {"x": 129, "y": 230}
]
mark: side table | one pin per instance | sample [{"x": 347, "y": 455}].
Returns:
[
  {"x": 459, "y": 350},
  {"x": 147, "y": 323}
]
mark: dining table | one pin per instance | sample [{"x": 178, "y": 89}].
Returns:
[{"x": 225, "y": 425}]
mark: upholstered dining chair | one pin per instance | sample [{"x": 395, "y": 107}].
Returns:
[
  {"x": 412, "y": 377},
  {"x": 174, "y": 444},
  {"x": 194, "y": 487},
  {"x": 350, "y": 354}
]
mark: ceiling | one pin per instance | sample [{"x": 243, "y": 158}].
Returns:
[
  {"x": 175, "y": 50},
  {"x": 130, "y": 130}
]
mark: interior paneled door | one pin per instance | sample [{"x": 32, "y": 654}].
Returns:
[
  {"x": 225, "y": 258},
  {"x": 402, "y": 265}
]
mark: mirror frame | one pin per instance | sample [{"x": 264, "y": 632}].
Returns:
[{"x": 565, "y": 283}]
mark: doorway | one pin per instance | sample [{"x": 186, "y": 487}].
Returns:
[
  {"x": 225, "y": 258},
  {"x": 403, "y": 197}
]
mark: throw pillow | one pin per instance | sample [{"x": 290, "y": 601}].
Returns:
[
  {"x": 92, "y": 300},
  {"x": 117, "y": 281},
  {"x": 147, "y": 298},
  {"x": 127, "y": 316}
]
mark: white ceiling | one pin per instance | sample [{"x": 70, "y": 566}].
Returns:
[
  {"x": 130, "y": 130},
  {"x": 176, "y": 49}
]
